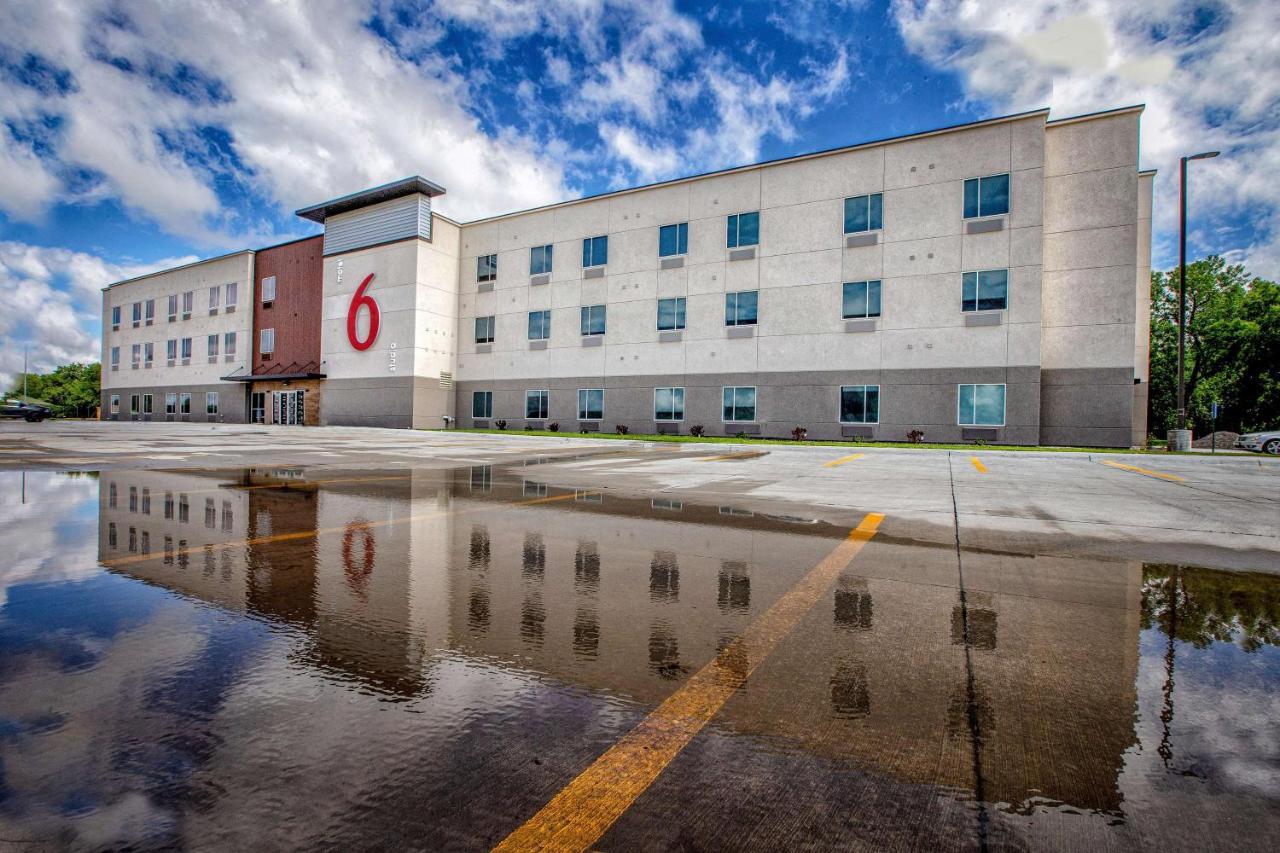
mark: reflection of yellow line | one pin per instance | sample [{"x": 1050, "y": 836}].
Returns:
[
  {"x": 583, "y": 811},
  {"x": 132, "y": 559},
  {"x": 1148, "y": 472},
  {"x": 977, "y": 463},
  {"x": 843, "y": 459}
]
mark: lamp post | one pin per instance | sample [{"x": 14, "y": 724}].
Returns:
[{"x": 1181, "y": 434}]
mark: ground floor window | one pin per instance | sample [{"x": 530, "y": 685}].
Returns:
[
  {"x": 739, "y": 403},
  {"x": 146, "y": 404},
  {"x": 184, "y": 403},
  {"x": 668, "y": 404},
  {"x": 860, "y": 404},
  {"x": 590, "y": 404},
  {"x": 981, "y": 405},
  {"x": 170, "y": 403},
  {"x": 535, "y": 405},
  {"x": 133, "y": 404},
  {"x": 211, "y": 402},
  {"x": 115, "y": 404},
  {"x": 482, "y": 404}
]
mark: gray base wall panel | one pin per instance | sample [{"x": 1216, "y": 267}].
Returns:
[
  {"x": 375, "y": 402},
  {"x": 233, "y": 402},
  {"x": 1087, "y": 406}
]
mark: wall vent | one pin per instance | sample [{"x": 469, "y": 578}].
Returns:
[{"x": 446, "y": 379}]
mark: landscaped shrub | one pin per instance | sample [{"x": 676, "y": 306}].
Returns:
[
  {"x": 500, "y": 424},
  {"x": 528, "y": 427},
  {"x": 621, "y": 429},
  {"x": 741, "y": 436},
  {"x": 585, "y": 431},
  {"x": 799, "y": 433},
  {"x": 697, "y": 430},
  {"x": 915, "y": 436},
  {"x": 554, "y": 426}
]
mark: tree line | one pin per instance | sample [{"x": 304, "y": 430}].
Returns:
[{"x": 72, "y": 389}]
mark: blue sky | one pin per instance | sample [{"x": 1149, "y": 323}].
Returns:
[{"x": 139, "y": 133}]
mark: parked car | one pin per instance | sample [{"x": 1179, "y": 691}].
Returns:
[
  {"x": 1260, "y": 442},
  {"x": 31, "y": 410}
]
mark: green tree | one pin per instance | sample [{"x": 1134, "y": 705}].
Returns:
[
  {"x": 1233, "y": 340},
  {"x": 72, "y": 389}
]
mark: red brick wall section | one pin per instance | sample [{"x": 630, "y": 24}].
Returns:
[{"x": 296, "y": 312}]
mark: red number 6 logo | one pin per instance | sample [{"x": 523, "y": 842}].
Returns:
[{"x": 353, "y": 313}]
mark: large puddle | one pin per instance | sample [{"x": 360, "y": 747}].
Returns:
[{"x": 283, "y": 659}]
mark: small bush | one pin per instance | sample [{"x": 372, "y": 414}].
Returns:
[
  {"x": 585, "y": 431},
  {"x": 554, "y": 426},
  {"x": 528, "y": 427},
  {"x": 697, "y": 430},
  {"x": 980, "y": 442},
  {"x": 621, "y": 429},
  {"x": 742, "y": 436},
  {"x": 915, "y": 436},
  {"x": 799, "y": 433},
  {"x": 500, "y": 424}
]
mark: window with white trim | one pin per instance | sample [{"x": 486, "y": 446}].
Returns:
[
  {"x": 987, "y": 196},
  {"x": 482, "y": 404},
  {"x": 739, "y": 403},
  {"x": 540, "y": 260},
  {"x": 593, "y": 319},
  {"x": 590, "y": 404},
  {"x": 668, "y": 404},
  {"x": 980, "y": 405},
  {"x": 740, "y": 308},
  {"x": 859, "y": 404},
  {"x": 671, "y": 314},
  {"x": 535, "y": 404},
  {"x": 861, "y": 299},
  {"x": 267, "y": 341},
  {"x": 487, "y": 268},
  {"x": 485, "y": 329},
  {"x": 985, "y": 290}
]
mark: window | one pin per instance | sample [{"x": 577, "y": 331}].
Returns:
[
  {"x": 135, "y": 355},
  {"x": 981, "y": 405},
  {"x": 535, "y": 405},
  {"x": 213, "y": 346},
  {"x": 590, "y": 404},
  {"x": 484, "y": 329},
  {"x": 539, "y": 260},
  {"x": 115, "y": 406},
  {"x": 863, "y": 213},
  {"x": 148, "y": 353},
  {"x": 486, "y": 268},
  {"x": 146, "y": 404},
  {"x": 184, "y": 403},
  {"x": 171, "y": 349},
  {"x": 232, "y": 296},
  {"x": 188, "y": 300},
  {"x": 268, "y": 289},
  {"x": 211, "y": 402},
  {"x": 859, "y": 404},
  {"x": 744, "y": 229},
  {"x": 539, "y": 325},
  {"x": 482, "y": 404},
  {"x": 987, "y": 196},
  {"x": 150, "y": 313},
  {"x": 137, "y": 314},
  {"x": 740, "y": 308},
  {"x": 173, "y": 308},
  {"x": 986, "y": 290},
  {"x": 186, "y": 349},
  {"x": 115, "y": 358},
  {"x": 595, "y": 252},
  {"x": 673, "y": 240},
  {"x": 215, "y": 294},
  {"x": 133, "y": 404},
  {"x": 740, "y": 403},
  {"x": 115, "y": 318},
  {"x": 171, "y": 404},
  {"x": 593, "y": 319},
  {"x": 668, "y": 404},
  {"x": 671, "y": 314},
  {"x": 861, "y": 299},
  {"x": 229, "y": 343},
  {"x": 267, "y": 341}
]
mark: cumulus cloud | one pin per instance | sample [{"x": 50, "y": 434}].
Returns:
[{"x": 1209, "y": 76}]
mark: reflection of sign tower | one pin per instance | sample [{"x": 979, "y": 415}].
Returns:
[{"x": 388, "y": 338}]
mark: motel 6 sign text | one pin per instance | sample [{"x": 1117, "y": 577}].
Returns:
[{"x": 361, "y": 299}]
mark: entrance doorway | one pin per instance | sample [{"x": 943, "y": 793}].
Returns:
[
  {"x": 258, "y": 407},
  {"x": 286, "y": 407}
]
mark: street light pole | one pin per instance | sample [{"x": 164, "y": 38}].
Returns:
[{"x": 1182, "y": 286}]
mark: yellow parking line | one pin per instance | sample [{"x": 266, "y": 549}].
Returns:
[
  {"x": 843, "y": 459},
  {"x": 583, "y": 811},
  {"x": 742, "y": 454},
  {"x": 1173, "y": 478},
  {"x": 977, "y": 463}
]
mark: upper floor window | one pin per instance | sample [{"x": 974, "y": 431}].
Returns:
[
  {"x": 267, "y": 341},
  {"x": 232, "y": 295},
  {"x": 229, "y": 343},
  {"x": 215, "y": 294},
  {"x": 981, "y": 405},
  {"x": 484, "y": 329},
  {"x": 593, "y": 319},
  {"x": 739, "y": 403},
  {"x": 863, "y": 213},
  {"x": 668, "y": 404},
  {"x": 150, "y": 311},
  {"x": 671, "y": 314},
  {"x": 188, "y": 301},
  {"x": 535, "y": 404},
  {"x": 673, "y": 240},
  {"x": 171, "y": 349},
  {"x": 213, "y": 346},
  {"x": 173, "y": 307},
  {"x": 740, "y": 308},
  {"x": 186, "y": 348},
  {"x": 267, "y": 289},
  {"x": 540, "y": 260},
  {"x": 148, "y": 353},
  {"x": 860, "y": 404},
  {"x": 115, "y": 357},
  {"x": 595, "y": 251},
  {"x": 986, "y": 290},
  {"x": 115, "y": 318},
  {"x": 987, "y": 196},
  {"x": 590, "y": 404},
  {"x": 486, "y": 268},
  {"x": 135, "y": 355},
  {"x": 861, "y": 299},
  {"x": 539, "y": 325},
  {"x": 481, "y": 404},
  {"x": 137, "y": 314},
  {"x": 744, "y": 229}
]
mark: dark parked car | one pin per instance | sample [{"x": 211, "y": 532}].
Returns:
[{"x": 31, "y": 410}]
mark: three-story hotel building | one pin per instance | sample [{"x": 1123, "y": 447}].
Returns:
[{"x": 981, "y": 282}]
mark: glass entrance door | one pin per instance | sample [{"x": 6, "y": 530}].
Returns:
[
  {"x": 258, "y": 407},
  {"x": 286, "y": 407}
]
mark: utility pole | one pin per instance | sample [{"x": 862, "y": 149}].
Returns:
[{"x": 1180, "y": 438}]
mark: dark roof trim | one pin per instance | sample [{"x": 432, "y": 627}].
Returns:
[
  {"x": 364, "y": 198},
  {"x": 168, "y": 270},
  {"x": 319, "y": 236},
  {"x": 265, "y": 377},
  {"x": 1099, "y": 114}
]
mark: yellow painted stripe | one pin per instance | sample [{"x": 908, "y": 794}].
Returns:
[
  {"x": 583, "y": 811},
  {"x": 843, "y": 459},
  {"x": 133, "y": 559},
  {"x": 977, "y": 463},
  {"x": 1160, "y": 475},
  {"x": 742, "y": 454}
]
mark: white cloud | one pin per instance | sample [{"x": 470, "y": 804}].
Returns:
[{"x": 1205, "y": 87}]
